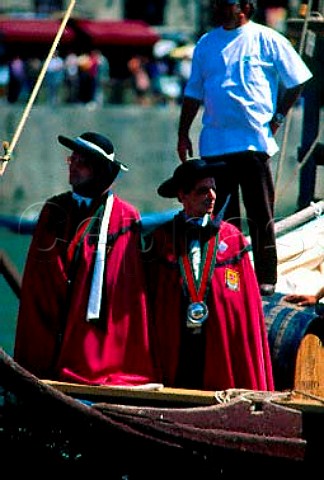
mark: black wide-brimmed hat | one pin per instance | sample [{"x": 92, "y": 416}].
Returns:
[
  {"x": 186, "y": 175},
  {"x": 93, "y": 146}
]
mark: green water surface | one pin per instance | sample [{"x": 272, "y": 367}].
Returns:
[{"x": 15, "y": 247}]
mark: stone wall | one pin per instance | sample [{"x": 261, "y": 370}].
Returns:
[{"x": 144, "y": 139}]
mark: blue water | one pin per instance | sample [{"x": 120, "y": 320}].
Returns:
[{"x": 15, "y": 246}]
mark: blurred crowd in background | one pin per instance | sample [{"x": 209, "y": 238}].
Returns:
[
  {"x": 91, "y": 77},
  {"x": 86, "y": 78}
]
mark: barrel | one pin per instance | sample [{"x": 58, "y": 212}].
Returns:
[{"x": 287, "y": 326}]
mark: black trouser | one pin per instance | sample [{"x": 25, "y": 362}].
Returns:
[{"x": 251, "y": 172}]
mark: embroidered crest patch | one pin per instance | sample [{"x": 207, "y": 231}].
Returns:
[{"x": 232, "y": 279}]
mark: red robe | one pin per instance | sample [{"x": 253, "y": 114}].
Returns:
[
  {"x": 53, "y": 338},
  {"x": 232, "y": 349}
]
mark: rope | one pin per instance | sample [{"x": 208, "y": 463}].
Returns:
[
  {"x": 289, "y": 115},
  {"x": 308, "y": 395},
  {"x": 251, "y": 396},
  {"x": 254, "y": 396},
  {"x": 10, "y": 148},
  {"x": 291, "y": 177}
]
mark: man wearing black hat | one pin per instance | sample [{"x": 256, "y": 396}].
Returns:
[
  {"x": 237, "y": 69},
  {"x": 83, "y": 309},
  {"x": 208, "y": 323}
]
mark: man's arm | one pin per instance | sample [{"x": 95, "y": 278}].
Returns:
[
  {"x": 286, "y": 100},
  {"x": 300, "y": 299},
  {"x": 189, "y": 110},
  {"x": 305, "y": 300}
]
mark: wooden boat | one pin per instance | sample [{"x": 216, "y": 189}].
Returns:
[{"x": 155, "y": 432}]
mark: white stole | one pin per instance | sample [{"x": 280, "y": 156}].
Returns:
[{"x": 95, "y": 296}]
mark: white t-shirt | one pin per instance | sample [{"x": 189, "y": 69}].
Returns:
[{"x": 236, "y": 74}]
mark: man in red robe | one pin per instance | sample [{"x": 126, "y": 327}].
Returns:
[
  {"x": 83, "y": 313},
  {"x": 208, "y": 322}
]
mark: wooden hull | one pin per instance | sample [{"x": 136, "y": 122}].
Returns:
[{"x": 158, "y": 433}]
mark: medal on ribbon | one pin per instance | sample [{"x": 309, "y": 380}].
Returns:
[{"x": 197, "y": 311}]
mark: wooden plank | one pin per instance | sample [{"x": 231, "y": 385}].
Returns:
[
  {"x": 302, "y": 402},
  {"x": 181, "y": 397},
  {"x": 158, "y": 394},
  {"x": 309, "y": 371}
]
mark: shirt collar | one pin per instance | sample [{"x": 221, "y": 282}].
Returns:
[
  {"x": 79, "y": 198},
  {"x": 199, "y": 221}
]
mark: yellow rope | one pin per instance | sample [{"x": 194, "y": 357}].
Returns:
[{"x": 10, "y": 148}]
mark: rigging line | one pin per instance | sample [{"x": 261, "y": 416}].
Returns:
[
  {"x": 299, "y": 166},
  {"x": 289, "y": 115},
  {"x": 10, "y": 148}
]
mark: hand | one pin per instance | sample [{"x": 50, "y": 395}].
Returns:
[
  {"x": 301, "y": 300},
  {"x": 184, "y": 147},
  {"x": 274, "y": 127}
]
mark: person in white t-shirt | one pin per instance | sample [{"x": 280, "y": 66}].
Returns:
[{"x": 246, "y": 76}]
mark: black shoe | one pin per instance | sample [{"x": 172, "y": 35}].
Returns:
[{"x": 267, "y": 289}]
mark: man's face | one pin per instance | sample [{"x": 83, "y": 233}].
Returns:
[
  {"x": 230, "y": 16},
  {"x": 80, "y": 170},
  {"x": 201, "y": 199}
]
